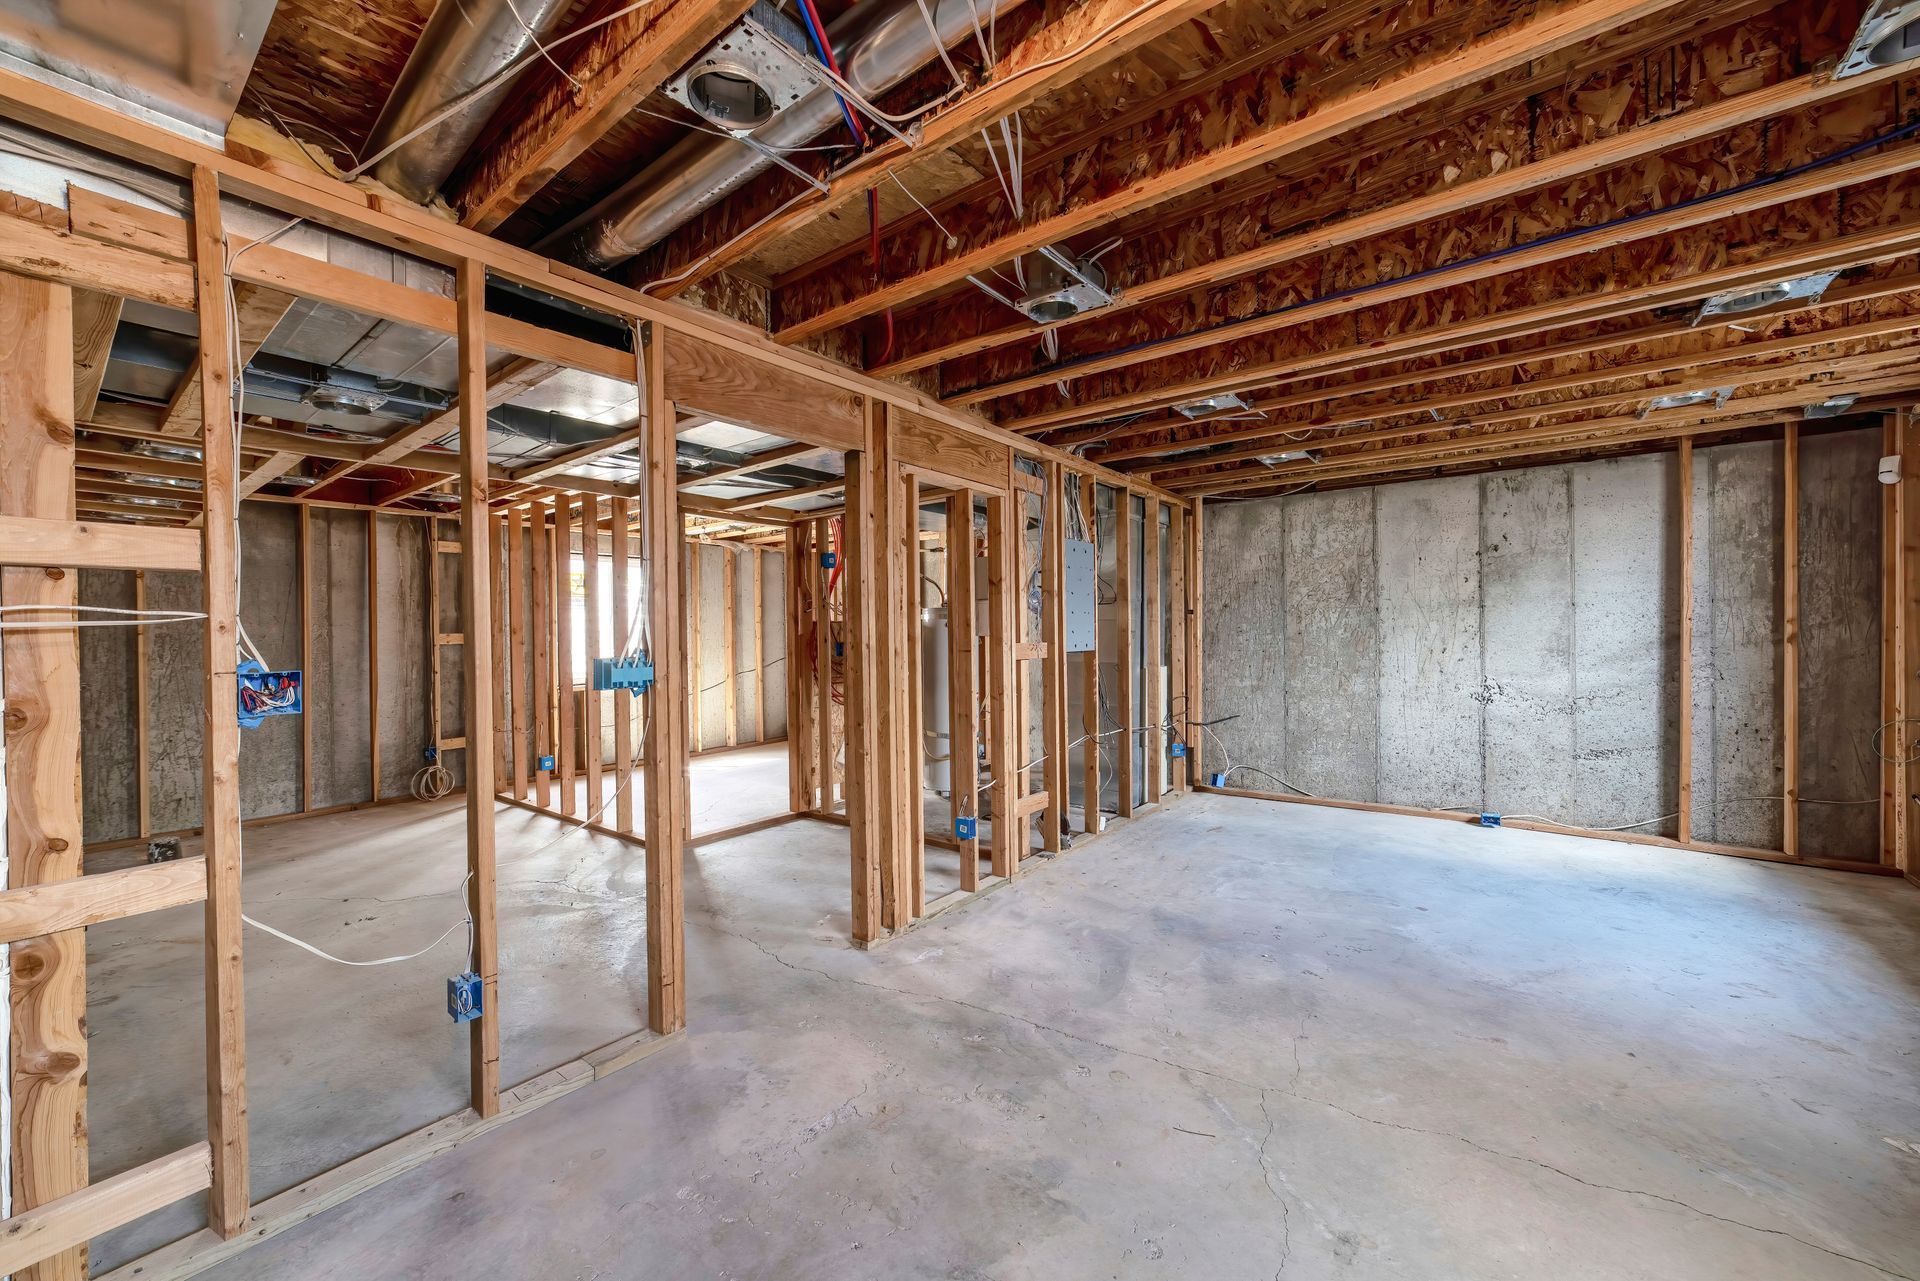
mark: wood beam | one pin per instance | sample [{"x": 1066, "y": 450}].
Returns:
[
  {"x": 1547, "y": 251},
  {"x": 42, "y": 759},
  {"x": 226, "y": 1041},
  {"x": 256, "y": 310},
  {"x": 96, "y": 317},
  {"x": 608, "y": 73},
  {"x": 1077, "y": 45},
  {"x": 665, "y": 738},
  {"x": 1877, "y": 245},
  {"x": 476, "y": 590},
  {"x": 1800, "y": 94},
  {"x": 1414, "y": 86}
]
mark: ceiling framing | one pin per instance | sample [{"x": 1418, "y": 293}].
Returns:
[{"x": 1416, "y": 237}]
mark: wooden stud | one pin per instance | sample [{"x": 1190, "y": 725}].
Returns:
[
  {"x": 1091, "y": 730},
  {"x": 1124, "y": 660},
  {"x": 963, "y": 696},
  {"x": 476, "y": 584},
  {"x": 759, "y": 645},
  {"x": 1790, "y": 646},
  {"x": 37, "y": 1240},
  {"x": 142, "y": 711},
  {"x": 591, "y": 698},
  {"x": 623, "y": 641},
  {"x": 1002, "y": 697},
  {"x": 373, "y": 656},
  {"x": 666, "y": 735},
  {"x": 567, "y": 692},
  {"x": 823, "y": 642},
  {"x": 220, "y": 776},
  {"x": 1683, "y": 753},
  {"x": 800, "y": 787},
  {"x": 1196, "y": 639},
  {"x": 1053, "y": 607},
  {"x": 1153, "y": 744},
  {"x": 866, "y": 819},
  {"x": 1179, "y": 623},
  {"x": 540, "y": 601},
  {"x": 1899, "y": 742},
  {"x": 306, "y": 651},
  {"x": 696, "y": 687},
  {"x": 913, "y": 745},
  {"x": 1894, "y": 657},
  {"x": 44, "y": 827},
  {"x": 519, "y": 701},
  {"x": 729, "y": 659}
]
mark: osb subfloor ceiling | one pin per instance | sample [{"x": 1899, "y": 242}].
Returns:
[{"x": 1397, "y": 238}]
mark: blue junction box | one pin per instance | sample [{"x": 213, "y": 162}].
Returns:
[
  {"x": 964, "y": 827},
  {"x": 463, "y": 997},
  {"x": 263, "y": 693},
  {"x": 635, "y": 674}
]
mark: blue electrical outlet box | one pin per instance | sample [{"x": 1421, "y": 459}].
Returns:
[
  {"x": 432, "y": 754},
  {"x": 263, "y": 693},
  {"x": 463, "y": 997},
  {"x": 964, "y": 827},
  {"x": 1176, "y": 749},
  {"x": 1216, "y": 780},
  {"x": 635, "y": 674},
  {"x": 1489, "y": 820},
  {"x": 839, "y": 649},
  {"x": 546, "y": 764},
  {"x": 828, "y": 560}
]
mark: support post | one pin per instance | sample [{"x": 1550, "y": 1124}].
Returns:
[
  {"x": 963, "y": 697},
  {"x": 1053, "y": 630},
  {"x": 666, "y": 733},
  {"x": 1124, "y": 661},
  {"x": 729, "y": 652},
  {"x": 43, "y": 818},
  {"x": 1683, "y": 750},
  {"x": 1091, "y": 730},
  {"x": 1179, "y": 622},
  {"x": 227, "y": 1199},
  {"x": 1153, "y": 749},
  {"x": 1790, "y": 647},
  {"x": 476, "y": 580},
  {"x": 590, "y": 699},
  {"x": 1894, "y": 652},
  {"x": 912, "y": 732},
  {"x": 373, "y": 655},
  {"x": 563, "y": 627},
  {"x": 623, "y": 641},
  {"x": 540, "y": 647},
  {"x": 866, "y": 812},
  {"x": 1002, "y": 701},
  {"x": 1196, "y": 639},
  {"x": 520, "y": 701},
  {"x": 799, "y": 701}
]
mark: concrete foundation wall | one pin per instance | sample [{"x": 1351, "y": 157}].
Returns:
[
  {"x": 1510, "y": 642},
  {"x": 338, "y": 706}
]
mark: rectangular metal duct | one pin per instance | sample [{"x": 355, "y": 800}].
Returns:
[{"x": 182, "y": 62}]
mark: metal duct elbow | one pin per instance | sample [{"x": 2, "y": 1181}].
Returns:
[
  {"x": 878, "y": 44},
  {"x": 464, "y": 44}
]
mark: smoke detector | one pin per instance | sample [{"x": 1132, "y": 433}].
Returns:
[
  {"x": 1059, "y": 287},
  {"x": 344, "y": 400},
  {"x": 1681, "y": 399},
  {"x": 1888, "y": 34},
  {"x": 752, "y": 73},
  {"x": 1218, "y": 403},
  {"x": 1831, "y": 407},
  {"x": 1737, "y": 302}
]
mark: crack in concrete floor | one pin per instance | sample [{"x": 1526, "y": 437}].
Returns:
[{"x": 1289, "y": 1092}]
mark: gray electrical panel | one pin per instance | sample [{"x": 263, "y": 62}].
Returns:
[{"x": 1082, "y": 596}]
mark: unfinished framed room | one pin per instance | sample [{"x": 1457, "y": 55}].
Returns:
[{"x": 960, "y": 638}]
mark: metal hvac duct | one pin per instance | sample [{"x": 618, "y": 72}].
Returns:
[
  {"x": 464, "y": 43},
  {"x": 879, "y": 45}
]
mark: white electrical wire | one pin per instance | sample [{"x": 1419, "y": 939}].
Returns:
[{"x": 118, "y": 617}]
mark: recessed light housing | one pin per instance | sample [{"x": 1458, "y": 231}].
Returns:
[
  {"x": 1218, "y": 403},
  {"x": 1718, "y": 396},
  {"x": 1737, "y": 302},
  {"x": 1887, "y": 35},
  {"x": 1831, "y": 407}
]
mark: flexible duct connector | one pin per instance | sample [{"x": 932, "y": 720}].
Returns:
[
  {"x": 463, "y": 44},
  {"x": 879, "y": 45}
]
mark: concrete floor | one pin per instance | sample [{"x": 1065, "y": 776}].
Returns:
[{"x": 1234, "y": 1039}]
